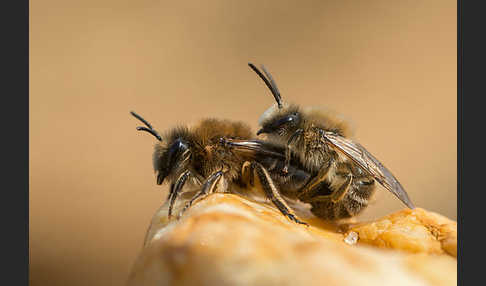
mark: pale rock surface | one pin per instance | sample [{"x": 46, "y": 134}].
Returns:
[{"x": 229, "y": 239}]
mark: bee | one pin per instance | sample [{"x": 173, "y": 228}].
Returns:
[
  {"x": 196, "y": 156},
  {"x": 343, "y": 172}
]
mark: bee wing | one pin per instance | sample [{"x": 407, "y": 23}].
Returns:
[
  {"x": 370, "y": 164},
  {"x": 254, "y": 147}
]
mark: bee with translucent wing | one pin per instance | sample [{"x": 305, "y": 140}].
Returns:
[{"x": 343, "y": 171}]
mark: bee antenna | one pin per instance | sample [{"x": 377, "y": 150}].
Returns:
[
  {"x": 149, "y": 129},
  {"x": 274, "y": 85},
  {"x": 269, "y": 82},
  {"x": 141, "y": 119}
]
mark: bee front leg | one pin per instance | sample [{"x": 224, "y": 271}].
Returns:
[
  {"x": 171, "y": 191},
  {"x": 175, "y": 190},
  {"x": 207, "y": 188},
  {"x": 288, "y": 150},
  {"x": 272, "y": 192}
]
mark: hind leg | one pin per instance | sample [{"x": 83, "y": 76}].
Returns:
[{"x": 272, "y": 192}]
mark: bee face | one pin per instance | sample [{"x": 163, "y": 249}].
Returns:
[{"x": 169, "y": 160}]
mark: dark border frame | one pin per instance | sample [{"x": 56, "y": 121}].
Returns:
[
  {"x": 459, "y": 138},
  {"x": 15, "y": 138},
  {"x": 470, "y": 86}
]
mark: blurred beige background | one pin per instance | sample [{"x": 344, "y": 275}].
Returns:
[{"x": 389, "y": 66}]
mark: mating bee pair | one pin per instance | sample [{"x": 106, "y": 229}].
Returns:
[{"x": 307, "y": 156}]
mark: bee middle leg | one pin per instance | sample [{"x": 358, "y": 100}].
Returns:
[
  {"x": 207, "y": 188},
  {"x": 337, "y": 195},
  {"x": 288, "y": 150},
  {"x": 272, "y": 192},
  {"x": 247, "y": 173},
  {"x": 310, "y": 189}
]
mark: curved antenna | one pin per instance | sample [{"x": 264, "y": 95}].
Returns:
[
  {"x": 270, "y": 78},
  {"x": 269, "y": 82},
  {"x": 149, "y": 129}
]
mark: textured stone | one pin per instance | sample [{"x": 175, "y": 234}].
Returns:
[
  {"x": 228, "y": 239},
  {"x": 416, "y": 231}
]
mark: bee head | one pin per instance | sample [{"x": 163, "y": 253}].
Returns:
[
  {"x": 280, "y": 121},
  {"x": 170, "y": 156}
]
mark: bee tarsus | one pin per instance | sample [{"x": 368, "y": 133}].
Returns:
[
  {"x": 174, "y": 193},
  {"x": 207, "y": 188}
]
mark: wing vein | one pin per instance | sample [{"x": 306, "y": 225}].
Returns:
[{"x": 370, "y": 164}]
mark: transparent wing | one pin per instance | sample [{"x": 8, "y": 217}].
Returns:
[
  {"x": 370, "y": 164},
  {"x": 254, "y": 148}
]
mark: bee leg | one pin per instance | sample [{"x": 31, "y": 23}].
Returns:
[
  {"x": 310, "y": 188},
  {"x": 247, "y": 173},
  {"x": 272, "y": 193},
  {"x": 207, "y": 188},
  {"x": 171, "y": 191},
  {"x": 336, "y": 196},
  {"x": 342, "y": 191},
  {"x": 175, "y": 190},
  {"x": 288, "y": 150}
]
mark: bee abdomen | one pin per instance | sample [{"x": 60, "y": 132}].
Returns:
[{"x": 353, "y": 203}]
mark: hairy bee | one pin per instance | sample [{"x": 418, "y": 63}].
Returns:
[
  {"x": 343, "y": 171},
  {"x": 196, "y": 156}
]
